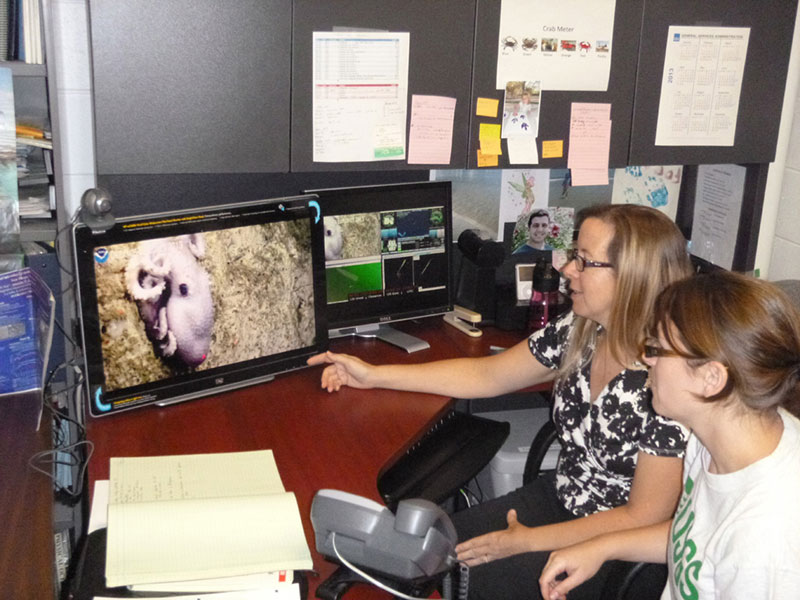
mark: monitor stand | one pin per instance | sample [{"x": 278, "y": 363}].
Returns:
[{"x": 407, "y": 342}]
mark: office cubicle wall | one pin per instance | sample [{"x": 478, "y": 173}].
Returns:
[
  {"x": 191, "y": 86},
  {"x": 771, "y": 26},
  {"x": 440, "y": 64},
  {"x": 556, "y": 106}
]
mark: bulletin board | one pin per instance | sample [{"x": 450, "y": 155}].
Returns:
[
  {"x": 440, "y": 64},
  {"x": 554, "y": 116},
  {"x": 763, "y": 82}
]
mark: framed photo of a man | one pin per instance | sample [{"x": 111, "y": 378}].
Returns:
[{"x": 543, "y": 230}]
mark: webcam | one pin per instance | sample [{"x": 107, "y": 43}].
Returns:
[{"x": 96, "y": 210}]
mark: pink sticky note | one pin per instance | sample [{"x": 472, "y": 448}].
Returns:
[
  {"x": 589, "y": 177},
  {"x": 589, "y": 136},
  {"x": 430, "y": 135}
]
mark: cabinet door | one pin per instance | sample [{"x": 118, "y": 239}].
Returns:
[
  {"x": 440, "y": 62},
  {"x": 556, "y": 106},
  {"x": 191, "y": 86},
  {"x": 771, "y": 28}
]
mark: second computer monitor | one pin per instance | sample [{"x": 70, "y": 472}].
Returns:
[{"x": 387, "y": 257}]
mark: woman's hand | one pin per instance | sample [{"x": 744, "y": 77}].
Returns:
[
  {"x": 578, "y": 563},
  {"x": 497, "y": 544},
  {"x": 343, "y": 369}
]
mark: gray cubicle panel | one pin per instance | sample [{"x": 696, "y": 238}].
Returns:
[
  {"x": 154, "y": 193},
  {"x": 191, "y": 86},
  {"x": 440, "y": 64},
  {"x": 554, "y": 116},
  {"x": 771, "y": 24}
]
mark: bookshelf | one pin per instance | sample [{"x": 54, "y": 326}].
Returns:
[{"x": 36, "y": 104}]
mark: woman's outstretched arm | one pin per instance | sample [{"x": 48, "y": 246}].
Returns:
[{"x": 484, "y": 377}]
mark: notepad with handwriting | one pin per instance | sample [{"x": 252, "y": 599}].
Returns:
[{"x": 201, "y": 516}]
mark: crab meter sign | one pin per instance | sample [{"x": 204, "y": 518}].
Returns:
[{"x": 566, "y": 44}]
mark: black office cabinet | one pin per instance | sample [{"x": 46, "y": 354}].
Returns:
[
  {"x": 554, "y": 117},
  {"x": 771, "y": 24},
  {"x": 440, "y": 63},
  {"x": 191, "y": 86}
]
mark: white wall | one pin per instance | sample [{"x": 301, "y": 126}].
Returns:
[
  {"x": 73, "y": 85},
  {"x": 785, "y": 255},
  {"x": 778, "y": 255}
]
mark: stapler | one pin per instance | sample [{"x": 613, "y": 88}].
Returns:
[{"x": 464, "y": 320}]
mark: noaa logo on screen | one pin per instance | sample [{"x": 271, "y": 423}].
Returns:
[{"x": 100, "y": 255}]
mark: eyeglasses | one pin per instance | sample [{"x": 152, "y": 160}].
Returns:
[
  {"x": 581, "y": 263},
  {"x": 651, "y": 351}
]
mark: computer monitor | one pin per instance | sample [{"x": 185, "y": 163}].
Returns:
[
  {"x": 184, "y": 304},
  {"x": 387, "y": 257}
]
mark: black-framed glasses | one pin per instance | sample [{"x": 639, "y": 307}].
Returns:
[
  {"x": 651, "y": 351},
  {"x": 581, "y": 263}
]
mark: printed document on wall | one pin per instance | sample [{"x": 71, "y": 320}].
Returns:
[
  {"x": 360, "y": 92},
  {"x": 701, "y": 85},
  {"x": 717, "y": 206},
  {"x": 566, "y": 44}
]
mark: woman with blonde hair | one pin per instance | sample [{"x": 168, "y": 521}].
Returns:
[
  {"x": 724, "y": 361},
  {"x": 620, "y": 464}
]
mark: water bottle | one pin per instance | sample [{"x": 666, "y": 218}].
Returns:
[{"x": 544, "y": 304}]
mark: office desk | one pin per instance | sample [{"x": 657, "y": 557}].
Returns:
[
  {"x": 320, "y": 440},
  {"x": 26, "y": 503}
]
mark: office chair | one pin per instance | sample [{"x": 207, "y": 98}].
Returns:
[{"x": 626, "y": 580}]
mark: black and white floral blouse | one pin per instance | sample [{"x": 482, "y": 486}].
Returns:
[{"x": 600, "y": 440}]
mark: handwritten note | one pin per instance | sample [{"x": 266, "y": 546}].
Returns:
[
  {"x": 552, "y": 148},
  {"x": 589, "y": 143},
  {"x": 149, "y": 479},
  {"x": 178, "y": 518},
  {"x": 430, "y": 136}
]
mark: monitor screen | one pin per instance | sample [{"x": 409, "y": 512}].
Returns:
[
  {"x": 387, "y": 253},
  {"x": 185, "y": 304}
]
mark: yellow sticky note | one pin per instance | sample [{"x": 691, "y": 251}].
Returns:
[
  {"x": 489, "y": 131},
  {"x": 486, "y": 160},
  {"x": 491, "y": 146},
  {"x": 552, "y": 148},
  {"x": 487, "y": 107}
]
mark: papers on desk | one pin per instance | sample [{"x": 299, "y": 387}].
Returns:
[
  {"x": 291, "y": 592},
  {"x": 200, "y": 517}
]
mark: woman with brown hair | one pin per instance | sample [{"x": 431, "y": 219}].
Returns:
[
  {"x": 620, "y": 464},
  {"x": 725, "y": 361}
]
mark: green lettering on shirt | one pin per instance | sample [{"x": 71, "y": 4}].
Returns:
[{"x": 686, "y": 571}]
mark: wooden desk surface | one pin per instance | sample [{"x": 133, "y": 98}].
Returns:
[
  {"x": 26, "y": 503},
  {"x": 320, "y": 440}
]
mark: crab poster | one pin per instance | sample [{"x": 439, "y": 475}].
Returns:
[{"x": 566, "y": 45}]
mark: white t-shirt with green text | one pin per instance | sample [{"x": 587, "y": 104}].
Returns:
[{"x": 737, "y": 535}]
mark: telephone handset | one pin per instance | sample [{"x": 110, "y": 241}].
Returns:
[{"x": 418, "y": 541}]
